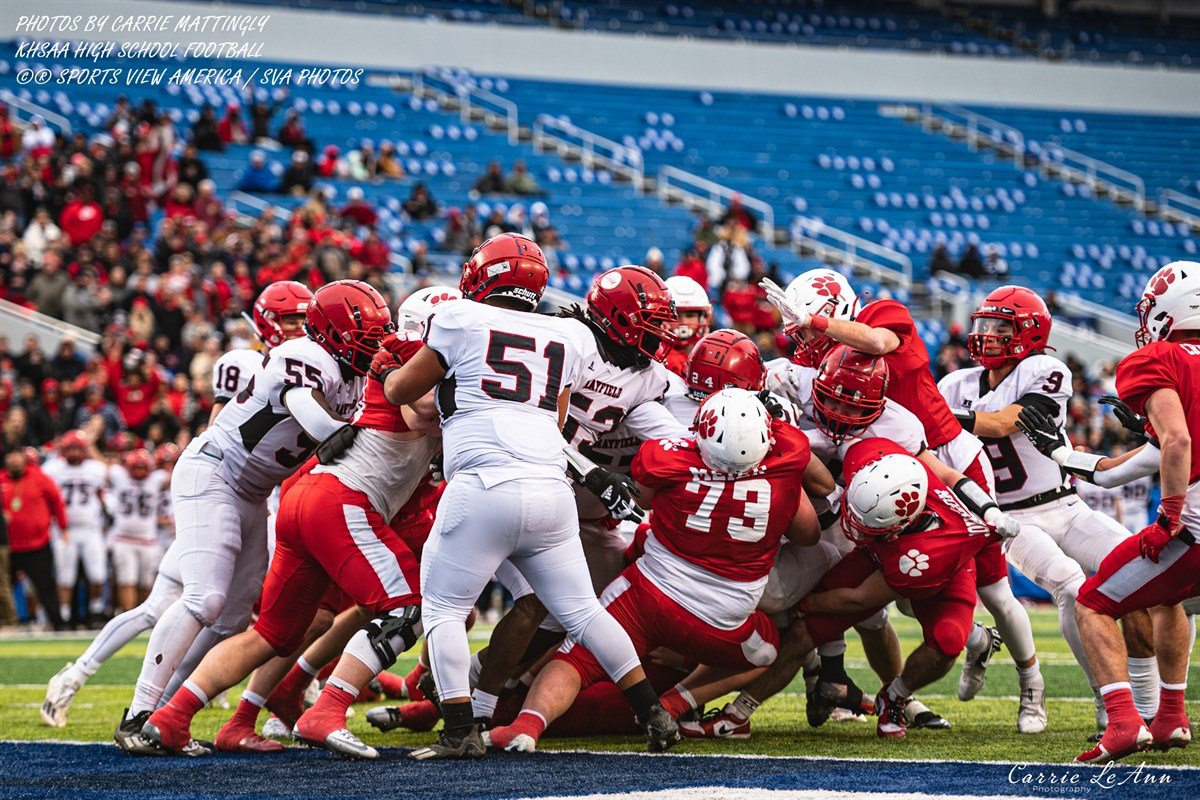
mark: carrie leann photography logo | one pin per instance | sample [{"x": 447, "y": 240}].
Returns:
[{"x": 1049, "y": 779}]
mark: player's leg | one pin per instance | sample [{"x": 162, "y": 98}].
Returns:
[
  {"x": 286, "y": 700},
  {"x": 509, "y": 642},
  {"x": 1172, "y": 636},
  {"x": 1012, "y": 620},
  {"x": 551, "y": 559},
  {"x": 95, "y": 568},
  {"x": 66, "y": 572}
]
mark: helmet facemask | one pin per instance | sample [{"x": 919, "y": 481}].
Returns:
[{"x": 990, "y": 341}]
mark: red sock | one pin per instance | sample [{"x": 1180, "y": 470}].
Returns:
[
  {"x": 324, "y": 673},
  {"x": 411, "y": 679},
  {"x": 675, "y": 702},
  {"x": 528, "y": 723},
  {"x": 292, "y": 686},
  {"x": 391, "y": 684},
  {"x": 1170, "y": 704},
  {"x": 333, "y": 700},
  {"x": 246, "y": 715},
  {"x": 1119, "y": 704}
]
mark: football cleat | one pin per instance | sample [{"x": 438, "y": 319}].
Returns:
[
  {"x": 662, "y": 732},
  {"x": 128, "y": 736},
  {"x": 235, "y": 737},
  {"x": 314, "y": 731},
  {"x": 59, "y": 694},
  {"x": 192, "y": 748},
  {"x": 1118, "y": 741},
  {"x": 420, "y": 716},
  {"x": 1170, "y": 733},
  {"x": 716, "y": 725},
  {"x": 974, "y": 671},
  {"x": 919, "y": 716},
  {"x": 845, "y": 715},
  {"x": 428, "y": 689},
  {"x": 470, "y": 745},
  {"x": 274, "y": 728},
  {"x": 892, "y": 724},
  {"x": 1031, "y": 715},
  {"x": 311, "y": 693},
  {"x": 828, "y": 696}
]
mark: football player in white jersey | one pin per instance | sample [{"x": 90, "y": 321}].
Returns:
[
  {"x": 504, "y": 377},
  {"x": 695, "y": 312},
  {"x": 135, "y": 495},
  {"x": 278, "y": 316},
  {"x": 1062, "y": 539},
  {"x": 307, "y": 390},
  {"x": 81, "y": 480}
]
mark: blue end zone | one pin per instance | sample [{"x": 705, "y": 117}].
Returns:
[{"x": 100, "y": 771}]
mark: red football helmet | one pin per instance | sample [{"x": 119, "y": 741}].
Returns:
[
  {"x": 348, "y": 319},
  {"x": 506, "y": 265},
  {"x": 139, "y": 464},
  {"x": 721, "y": 359},
  {"x": 635, "y": 309},
  {"x": 73, "y": 446},
  {"x": 1010, "y": 324},
  {"x": 848, "y": 392},
  {"x": 281, "y": 299},
  {"x": 166, "y": 454}
]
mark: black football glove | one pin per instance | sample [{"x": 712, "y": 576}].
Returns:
[
  {"x": 616, "y": 492},
  {"x": 773, "y": 406},
  {"x": 437, "y": 472},
  {"x": 1124, "y": 414},
  {"x": 335, "y": 445},
  {"x": 1040, "y": 430}
]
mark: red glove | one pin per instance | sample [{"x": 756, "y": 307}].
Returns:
[
  {"x": 1152, "y": 539},
  {"x": 382, "y": 364},
  {"x": 394, "y": 344}
]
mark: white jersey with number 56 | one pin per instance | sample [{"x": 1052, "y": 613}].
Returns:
[
  {"x": 499, "y": 400},
  {"x": 260, "y": 443},
  {"x": 135, "y": 504},
  {"x": 233, "y": 372},
  {"x": 1021, "y": 471}
]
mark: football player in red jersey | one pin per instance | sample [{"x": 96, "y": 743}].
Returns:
[
  {"x": 721, "y": 502},
  {"x": 916, "y": 540},
  {"x": 1157, "y": 568},
  {"x": 695, "y": 311},
  {"x": 820, "y": 309}
]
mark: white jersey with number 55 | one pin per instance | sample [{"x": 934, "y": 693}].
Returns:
[
  {"x": 260, "y": 443},
  {"x": 499, "y": 400},
  {"x": 1021, "y": 471},
  {"x": 233, "y": 372}
]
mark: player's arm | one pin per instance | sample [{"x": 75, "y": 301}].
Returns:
[
  {"x": 212, "y": 415},
  {"x": 998, "y": 424},
  {"x": 564, "y": 406},
  {"x": 310, "y": 409},
  {"x": 1043, "y": 432},
  {"x": 818, "y": 482},
  {"x": 872, "y": 593},
  {"x": 1165, "y": 410},
  {"x": 422, "y": 416},
  {"x": 804, "y": 528},
  {"x": 404, "y": 385},
  {"x": 619, "y": 493},
  {"x": 973, "y": 496},
  {"x": 864, "y": 338}
]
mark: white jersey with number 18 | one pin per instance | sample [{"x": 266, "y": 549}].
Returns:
[{"x": 233, "y": 372}]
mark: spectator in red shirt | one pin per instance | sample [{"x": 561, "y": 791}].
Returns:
[
  {"x": 232, "y": 128},
  {"x": 741, "y": 303},
  {"x": 82, "y": 217},
  {"x": 358, "y": 209},
  {"x": 373, "y": 253},
  {"x": 10, "y": 136},
  {"x": 30, "y": 501},
  {"x": 692, "y": 266}
]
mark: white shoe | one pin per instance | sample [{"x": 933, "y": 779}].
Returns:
[
  {"x": 974, "y": 671},
  {"x": 60, "y": 691},
  {"x": 522, "y": 743},
  {"x": 1031, "y": 716},
  {"x": 274, "y": 728},
  {"x": 312, "y": 693},
  {"x": 342, "y": 742}
]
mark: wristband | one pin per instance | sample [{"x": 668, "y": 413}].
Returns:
[
  {"x": 1081, "y": 465},
  {"x": 974, "y": 497},
  {"x": 966, "y": 419},
  {"x": 819, "y": 324}
]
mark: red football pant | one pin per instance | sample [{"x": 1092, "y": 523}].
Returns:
[
  {"x": 1127, "y": 582},
  {"x": 945, "y": 618},
  {"x": 654, "y": 620},
  {"x": 328, "y": 533}
]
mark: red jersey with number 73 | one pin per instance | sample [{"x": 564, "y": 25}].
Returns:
[{"x": 714, "y": 537}]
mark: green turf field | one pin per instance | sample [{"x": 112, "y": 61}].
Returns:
[{"x": 984, "y": 729}]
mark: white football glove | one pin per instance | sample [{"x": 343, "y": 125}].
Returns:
[
  {"x": 1001, "y": 523},
  {"x": 790, "y": 311}
]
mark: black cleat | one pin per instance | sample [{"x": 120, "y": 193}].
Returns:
[
  {"x": 828, "y": 696},
  {"x": 447, "y": 747},
  {"x": 429, "y": 689},
  {"x": 129, "y": 737},
  {"x": 662, "y": 732}
]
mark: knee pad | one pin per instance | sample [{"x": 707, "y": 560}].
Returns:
[
  {"x": 874, "y": 623},
  {"x": 949, "y": 637},
  {"x": 205, "y": 605},
  {"x": 394, "y": 632}
]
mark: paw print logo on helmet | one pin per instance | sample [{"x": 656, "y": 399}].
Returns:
[
  {"x": 1162, "y": 281},
  {"x": 908, "y": 504},
  {"x": 827, "y": 287},
  {"x": 914, "y": 563},
  {"x": 706, "y": 423}
]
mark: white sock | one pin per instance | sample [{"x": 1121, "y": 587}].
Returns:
[
  {"x": 743, "y": 706},
  {"x": 1011, "y": 619},
  {"x": 196, "y": 690},
  {"x": 834, "y": 648},
  {"x": 484, "y": 703},
  {"x": 96, "y": 606},
  {"x": 169, "y": 643},
  {"x": 254, "y": 699},
  {"x": 897, "y": 690},
  {"x": 1030, "y": 674},
  {"x": 307, "y": 667},
  {"x": 341, "y": 684},
  {"x": 978, "y": 638},
  {"x": 64, "y": 611},
  {"x": 1145, "y": 684}
]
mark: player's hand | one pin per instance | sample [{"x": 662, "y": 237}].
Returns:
[
  {"x": 616, "y": 492},
  {"x": 1001, "y": 523},
  {"x": 382, "y": 365},
  {"x": 393, "y": 344},
  {"x": 1152, "y": 539},
  {"x": 790, "y": 311},
  {"x": 437, "y": 472},
  {"x": 1040, "y": 430},
  {"x": 771, "y": 403},
  {"x": 1124, "y": 414}
]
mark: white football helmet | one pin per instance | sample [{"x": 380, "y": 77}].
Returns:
[
  {"x": 689, "y": 296},
  {"x": 417, "y": 307},
  {"x": 733, "y": 432},
  {"x": 1170, "y": 302},
  {"x": 884, "y": 497},
  {"x": 822, "y": 293}
]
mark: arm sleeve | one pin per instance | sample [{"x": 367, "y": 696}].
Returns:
[
  {"x": 312, "y": 415},
  {"x": 1143, "y": 463},
  {"x": 653, "y": 421}
]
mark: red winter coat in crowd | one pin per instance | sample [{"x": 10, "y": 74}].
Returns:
[
  {"x": 30, "y": 503},
  {"x": 81, "y": 221}
]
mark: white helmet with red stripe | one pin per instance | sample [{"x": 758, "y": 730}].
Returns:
[
  {"x": 733, "y": 431},
  {"x": 417, "y": 307},
  {"x": 1170, "y": 302},
  {"x": 689, "y": 296}
]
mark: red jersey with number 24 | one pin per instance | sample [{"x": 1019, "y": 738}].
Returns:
[{"x": 911, "y": 383}]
